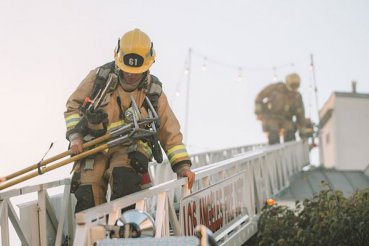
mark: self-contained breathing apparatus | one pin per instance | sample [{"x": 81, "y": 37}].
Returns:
[{"x": 107, "y": 81}]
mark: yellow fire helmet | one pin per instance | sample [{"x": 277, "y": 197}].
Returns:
[
  {"x": 135, "y": 52},
  {"x": 293, "y": 81}
]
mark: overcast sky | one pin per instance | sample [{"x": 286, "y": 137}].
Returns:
[{"x": 48, "y": 47}]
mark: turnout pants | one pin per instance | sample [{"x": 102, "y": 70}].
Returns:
[
  {"x": 275, "y": 128},
  {"x": 92, "y": 175}
]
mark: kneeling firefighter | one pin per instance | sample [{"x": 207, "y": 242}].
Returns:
[
  {"x": 280, "y": 109},
  {"x": 122, "y": 166}
]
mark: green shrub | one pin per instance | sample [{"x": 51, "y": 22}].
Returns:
[{"x": 327, "y": 219}]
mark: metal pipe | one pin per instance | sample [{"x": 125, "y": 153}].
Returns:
[
  {"x": 54, "y": 166},
  {"x": 56, "y": 157}
]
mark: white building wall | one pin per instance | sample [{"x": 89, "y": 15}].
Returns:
[
  {"x": 327, "y": 155},
  {"x": 345, "y": 136},
  {"x": 329, "y": 146},
  {"x": 352, "y": 124}
]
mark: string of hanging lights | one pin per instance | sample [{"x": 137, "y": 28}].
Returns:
[{"x": 240, "y": 70}]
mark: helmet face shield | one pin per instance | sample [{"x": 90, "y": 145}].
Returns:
[{"x": 135, "y": 52}]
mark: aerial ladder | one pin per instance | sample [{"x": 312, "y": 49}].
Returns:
[{"x": 222, "y": 207}]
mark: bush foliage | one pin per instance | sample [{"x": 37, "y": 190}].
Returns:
[{"x": 326, "y": 219}]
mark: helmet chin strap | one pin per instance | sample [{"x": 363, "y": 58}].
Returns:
[{"x": 143, "y": 82}]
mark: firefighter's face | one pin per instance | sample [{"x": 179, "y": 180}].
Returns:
[
  {"x": 295, "y": 87},
  {"x": 132, "y": 78}
]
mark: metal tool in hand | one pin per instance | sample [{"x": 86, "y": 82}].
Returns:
[{"x": 122, "y": 135}]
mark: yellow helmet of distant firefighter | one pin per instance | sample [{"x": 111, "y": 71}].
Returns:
[
  {"x": 293, "y": 81},
  {"x": 134, "y": 52}
]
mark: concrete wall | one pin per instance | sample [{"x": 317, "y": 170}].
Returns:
[
  {"x": 328, "y": 135},
  {"x": 328, "y": 139},
  {"x": 345, "y": 136},
  {"x": 352, "y": 119}
]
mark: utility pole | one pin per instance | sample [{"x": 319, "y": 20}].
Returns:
[
  {"x": 188, "y": 70},
  {"x": 319, "y": 133},
  {"x": 315, "y": 87}
]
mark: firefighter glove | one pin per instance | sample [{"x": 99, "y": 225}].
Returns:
[
  {"x": 138, "y": 161},
  {"x": 96, "y": 116},
  {"x": 76, "y": 143}
]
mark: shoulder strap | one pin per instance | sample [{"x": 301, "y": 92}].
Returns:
[
  {"x": 156, "y": 86},
  {"x": 153, "y": 93},
  {"x": 102, "y": 75},
  {"x": 104, "y": 70}
]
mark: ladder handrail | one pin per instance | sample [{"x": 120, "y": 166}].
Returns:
[
  {"x": 269, "y": 167},
  {"x": 33, "y": 188},
  {"x": 257, "y": 163}
]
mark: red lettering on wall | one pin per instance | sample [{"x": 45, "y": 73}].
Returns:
[
  {"x": 204, "y": 219},
  {"x": 218, "y": 210},
  {"x": 238, "y": 185}
]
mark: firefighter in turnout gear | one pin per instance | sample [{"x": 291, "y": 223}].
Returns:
[
  {"x": 122, "y": 166},
  {"x": 280, "y": 108}
]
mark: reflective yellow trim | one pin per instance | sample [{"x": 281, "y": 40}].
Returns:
[
  {"x": 177, "y": 147},
  {"x": 116, "y": 124},
  {"x": 145, "y": 147},
  {"x": 177, "y": 152},
  {"x": 71, "y": 124},
  {"x": 177, "y": 156},
  {"x": 72, "y": 116},
  {"x": 72, "y": 120}
]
